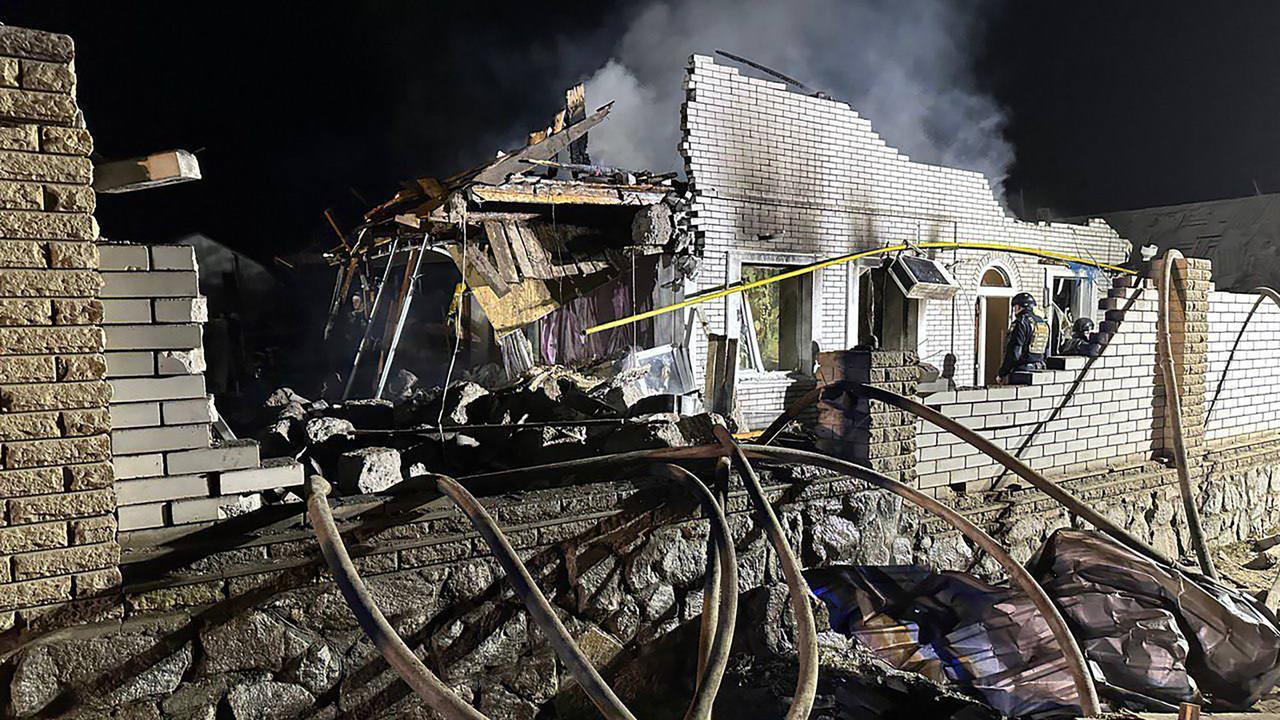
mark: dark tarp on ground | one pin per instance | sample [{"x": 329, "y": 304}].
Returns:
[
  {"x": 1158, "y": 631},
  {"x": 952, "y": 628},
  {"x": 1154, "y": 636}
]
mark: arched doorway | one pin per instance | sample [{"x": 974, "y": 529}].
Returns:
[{"x": 995, "y": 292}]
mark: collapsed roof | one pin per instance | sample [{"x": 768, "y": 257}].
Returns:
[{"x": 527, "y": 231}]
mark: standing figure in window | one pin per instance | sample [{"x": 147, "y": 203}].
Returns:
[
  {"x": 1083, "y": 341},
  {"x": 1027, "y": 341}
]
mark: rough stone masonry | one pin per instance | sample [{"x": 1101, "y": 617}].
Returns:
[{"x": 58, "y": 534}]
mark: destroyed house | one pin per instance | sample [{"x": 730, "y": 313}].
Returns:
[
  {"x": 153, "y": 566},
  {"x": 545, "y": 250},
  {"x": 780, "y": 179}
]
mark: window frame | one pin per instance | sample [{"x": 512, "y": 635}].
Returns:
[{"x": 737, "y": 310}]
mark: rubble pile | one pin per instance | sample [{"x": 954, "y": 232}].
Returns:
[{"x": 549, "y": 414}]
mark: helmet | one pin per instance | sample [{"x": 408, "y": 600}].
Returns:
[
  {"x": 1024, "y": 299},
  {"x": 1082, "y": 326}
]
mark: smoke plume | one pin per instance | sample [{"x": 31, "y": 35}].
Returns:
[{"x": 906, "y": 65}]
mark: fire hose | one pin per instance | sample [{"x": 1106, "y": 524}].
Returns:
[
  {"x": 1086, "y": 692},
  {"x": 720, "y": 596},
  {"x": 806, "y": 630},
  {"x": 435, "y": 693},
  {"x": 362, "y": 603},
  {"x": 540, "y": 611},
  {"x": 713, "y": 655},
  {"x": 1173, "y": 415},
  {"x": 711, "y": 596},
  {"x": 1063, "y": 497}
]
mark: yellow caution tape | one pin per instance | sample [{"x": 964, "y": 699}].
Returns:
[{"x": 806, "y": 269}]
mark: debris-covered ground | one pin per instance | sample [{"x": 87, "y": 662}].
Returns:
[{"x": 549, "y": 414}]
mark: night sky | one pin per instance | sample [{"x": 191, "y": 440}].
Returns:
[{"x": 296, "y": 107}]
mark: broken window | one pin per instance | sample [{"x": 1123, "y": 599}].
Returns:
[
  {"x": 1069, "y": 297},
  {"x": 774, "y": 317}
]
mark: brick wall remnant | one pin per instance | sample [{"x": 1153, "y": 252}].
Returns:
[
  {"x": 57, "y": 531},
  {"x": 169, "y": 471},
  {"x": 869, "y": 432},
  {"x": 1250, "y": 399},
  {"x": 1080, "y": 414},
  {"x": 1189, "y": 338}
]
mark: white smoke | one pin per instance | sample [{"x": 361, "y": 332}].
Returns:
[{"x": 906, "y": 65}]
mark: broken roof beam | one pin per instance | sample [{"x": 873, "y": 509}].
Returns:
[
  {"x": 575, "y": 109},
  {"x": 143, "y": 173},
  {"x": 566, "y": 193},
  {"x": 498, "y": 172}
]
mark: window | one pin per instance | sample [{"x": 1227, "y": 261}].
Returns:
[
  {"x": 775, "y": 318},
  {"x": 1070, "y": 298},
  {"x": 994, "y": 278}
]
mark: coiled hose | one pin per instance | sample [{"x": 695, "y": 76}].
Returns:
[{"x": 444, "y": 701}]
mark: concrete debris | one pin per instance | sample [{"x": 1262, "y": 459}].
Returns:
[
  {"x": 550, "y": 413},
  {"x": 401, "y": 385},
  {"x": 320, "y": 430},
  {"x": 368, "y": 470},
  {"x": 284, "y": 396}
]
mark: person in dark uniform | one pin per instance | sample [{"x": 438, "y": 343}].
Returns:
[
  {"x": 1083, "y": 341},
  {"x": 1027, "y": 341}
]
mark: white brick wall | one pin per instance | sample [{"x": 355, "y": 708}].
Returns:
[
  {"x": 1250, "y": 398},
  {"x": 168, "y": 472},
  {"x": 814, "y": 174},
  {"x": 1110, "y": 418}
]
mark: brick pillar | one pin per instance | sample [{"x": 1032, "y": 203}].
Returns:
[
  {"x": 57, "y": 531},
  {"x": 1189, "y": 335},
  {"x": 869, "y": 432}
]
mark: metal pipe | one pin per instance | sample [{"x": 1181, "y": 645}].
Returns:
[
  {"x": 798, "y": 587},
  {"x": 438, "y": 696},
  {"x": 1173, "y": 416},
  {"x": 404, "y": 315},
  {"x": 1086, "y": 692},
  {"x": 368, "y": 328},
  {"x": 1264, "y": 293},
  {"x": 535, "y": 602}
]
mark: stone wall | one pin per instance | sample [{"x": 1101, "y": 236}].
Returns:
[
  {"x": 57, "y": 532},
  {"x": 246, "y": 618}
]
